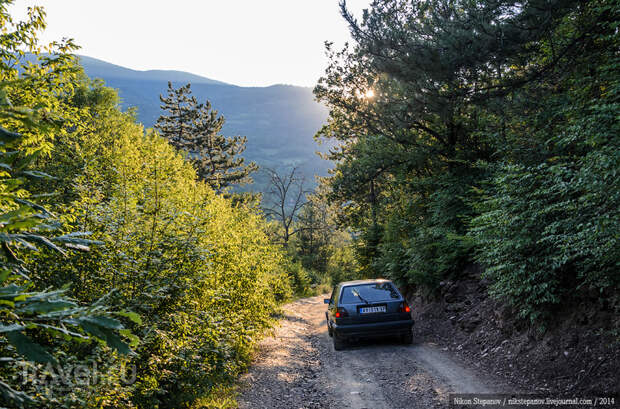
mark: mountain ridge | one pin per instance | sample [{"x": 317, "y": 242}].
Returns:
[
  {"x": 99, "y": 68},
  {"x": 278, "y": 120}
]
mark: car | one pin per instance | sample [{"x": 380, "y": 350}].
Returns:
[{"x": 365, "y": 309}]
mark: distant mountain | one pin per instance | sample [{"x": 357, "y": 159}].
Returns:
[
  {"x": 279, "y": 121},
  {"x": 101, "y": 69}
]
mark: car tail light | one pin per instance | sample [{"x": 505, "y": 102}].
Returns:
[
  {"x": 341, "y": 312},
  {"x": 404, "y": 307}
]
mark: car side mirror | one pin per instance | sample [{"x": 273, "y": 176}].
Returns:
[{"x": 325, "y": 300}]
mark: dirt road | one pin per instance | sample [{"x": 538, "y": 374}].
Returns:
[{"x": 298, "y": 368}]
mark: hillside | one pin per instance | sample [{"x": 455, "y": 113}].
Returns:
[
  {"x": 279, "y": 121},
  {"x": 101, "y": 69}
]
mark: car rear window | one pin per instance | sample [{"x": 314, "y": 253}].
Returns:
[{"x": 374, "y": 292}]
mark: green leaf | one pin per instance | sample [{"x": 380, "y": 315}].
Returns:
[
  {"x": 105, "y": 322},
  {"x": 115, "y": 342},
  {"x": 11, "y": 291},
  {"x": 134, "y": 341},
  {"x": 45, "y": 306},
  {"x": 12, "y": 395},
  {"x": 92, "y": 329},
  {"x": 106, "y": 335},
  {"x": 134, "y": 317},
  {"x": 42, "y": 240},
  {"x": 26, "y": 347},
  {"x": 38, "y": 174},
  {"x": 33, "y": 205},
  {"x": 6, "y": 302},
  {"x": 11, "y": 327},
  {"x": 8, "y": 136},
  {"x": 4, "y": 274}
]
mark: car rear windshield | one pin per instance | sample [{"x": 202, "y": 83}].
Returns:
[{"x": 371, "y": 293}]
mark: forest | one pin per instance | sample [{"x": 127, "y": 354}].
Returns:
[
  {"x": 465, "y": 133},
  {"x": 482, "y": 132}
]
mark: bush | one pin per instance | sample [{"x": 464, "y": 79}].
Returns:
[
  {"x": 342, "y": 265},
  {"x": 199, "y": 269},
  {"x": 300, "y": 279},
  {"x": 548, "y": 230}
]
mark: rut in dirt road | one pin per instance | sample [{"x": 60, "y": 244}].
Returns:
[{"x": 298, "y": 368}]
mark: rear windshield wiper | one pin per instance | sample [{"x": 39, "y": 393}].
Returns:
[{"x": 357, "y": 294}]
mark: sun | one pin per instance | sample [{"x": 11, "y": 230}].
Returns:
[{"x": 368, "y": 94}]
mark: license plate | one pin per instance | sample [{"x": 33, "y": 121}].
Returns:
[{"x": 372, "y": 310}]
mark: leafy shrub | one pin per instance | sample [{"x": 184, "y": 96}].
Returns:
[
  {"x": 199, "y": 269},
  {"x": 300, "y": 279},
  {"x": 40, "y": 326},
  {"x": 425, "y": 242},
  {"x": 201, "y": 272},
  {"x": 342, "y": 265},
  {"x": 548, "y": 225}
]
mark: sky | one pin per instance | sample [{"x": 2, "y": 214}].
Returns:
[{"x": 241, "y": 42}]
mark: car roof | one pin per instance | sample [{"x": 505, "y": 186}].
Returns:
[{"x": 367, "y": 281}]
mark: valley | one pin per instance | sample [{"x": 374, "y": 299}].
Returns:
[{"x": 279, "y": 121}]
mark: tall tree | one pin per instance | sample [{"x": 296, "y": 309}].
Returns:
[
  {"x": 196, "y": 129},
  {"x": 182, "y": 110},
  {"x": 285, "y": 199},
  {"x": 315, "y": 232},
  {"x": 216, "y": 157}
]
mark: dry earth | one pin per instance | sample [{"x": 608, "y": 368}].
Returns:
[
  {"x": 297, "y": 367},
  {"x": 577, "y": 355}
]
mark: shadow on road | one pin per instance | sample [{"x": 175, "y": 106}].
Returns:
[{"x": 374, "y": 343}]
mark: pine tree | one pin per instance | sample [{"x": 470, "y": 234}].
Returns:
[
  {"x": 178, "y": 125},
  {"x": 195, "y": 129},
  {"x": 217, "y": 157}
]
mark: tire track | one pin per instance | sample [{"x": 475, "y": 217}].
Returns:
[{"x": 298, "y": 367}]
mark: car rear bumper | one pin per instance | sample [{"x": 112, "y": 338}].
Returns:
[{"x": 375, "y": 329}]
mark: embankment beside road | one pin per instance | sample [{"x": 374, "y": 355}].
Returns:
[{"x": 578, "y": 353}]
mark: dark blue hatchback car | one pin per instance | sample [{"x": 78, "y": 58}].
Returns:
[{"x": 367, "y": 308}]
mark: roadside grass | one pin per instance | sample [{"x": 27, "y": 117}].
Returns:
[
  {"x": 225, "y": 396},
  {"x": 220, "y": 397}
]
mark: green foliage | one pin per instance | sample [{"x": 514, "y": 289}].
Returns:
[
  {"x": 491, "y": 136},
  {"x": 301, "y": 280},
  {"x": 324, "y": 253},
  {"x": 342, "y": 265},
  {"x": 191, "y": 273},
  {"x": 37, "y": 325},
  {"x": 548, "y": 224},
  {"x": 424, "y": 241},
  {"x": 316, "y": 234},
  {"x": 201, "y": 272}
]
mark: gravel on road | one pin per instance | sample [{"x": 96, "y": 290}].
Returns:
[{"x": 297, "y": 367}]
